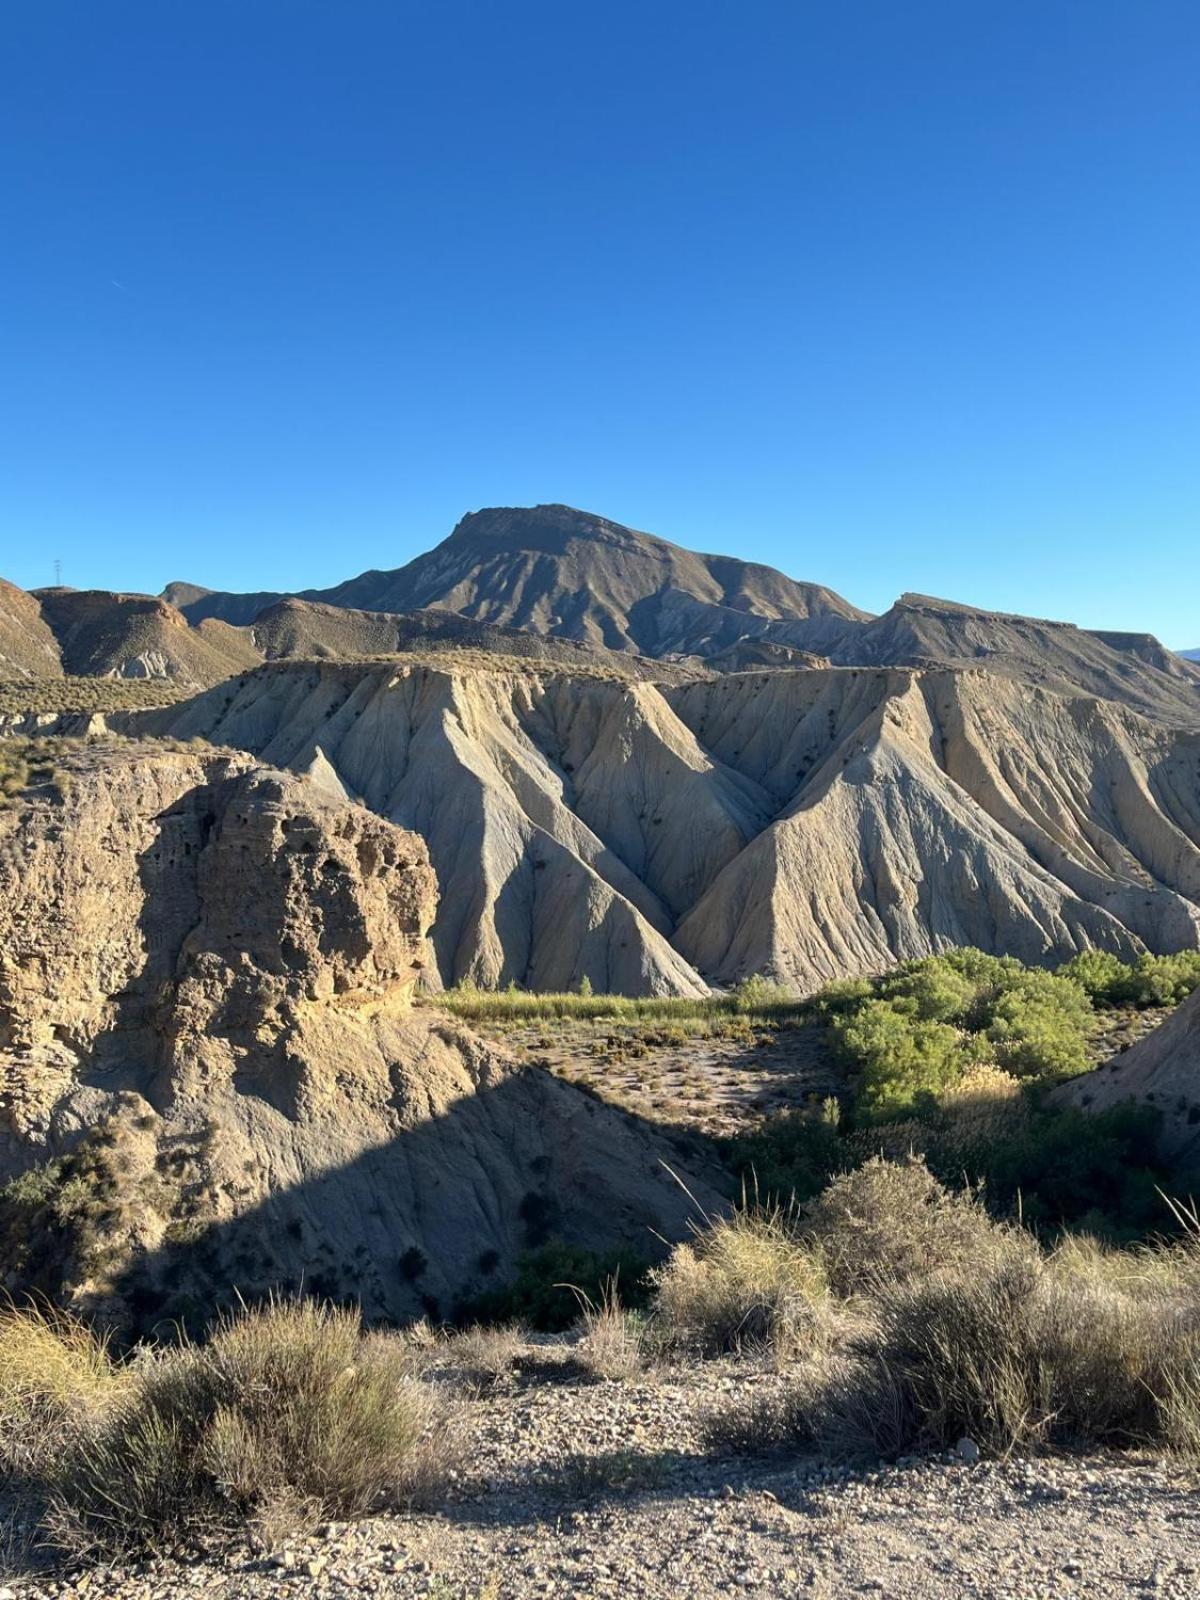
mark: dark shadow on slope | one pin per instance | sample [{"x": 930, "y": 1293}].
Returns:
[{"x": 438, "y": 1214}]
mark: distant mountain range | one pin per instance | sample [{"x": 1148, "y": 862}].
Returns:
[
  {"x": 723, "y": 771},
  {"x": 556, "y": 584}
]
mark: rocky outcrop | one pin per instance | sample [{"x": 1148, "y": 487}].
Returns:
[
  {"x": 1162, "y": 1070},
  {"x": 813, "y": 824},
  {"x": 206, "y": 973}
]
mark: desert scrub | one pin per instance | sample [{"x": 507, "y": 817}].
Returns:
[
  {"x": 55, "y": 1376},
  {"x": 745, "y": 1284},
  {"x": 64, "y": 696},
  {"x": 285, "y": 1416},
  {"x": 889, "y": 1222},
  {"x": 545, "y": 1292},
  {"x": 966, "y": 1328},
  {"x": 25, "y": 763}
]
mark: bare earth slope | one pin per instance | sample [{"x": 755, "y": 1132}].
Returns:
[
  {"x": 206, "y": 965},
  {"x": 1161, "y": 1070},
  {"x": 1132, "y": 669},
  {"x": 811, "y": 824},
  {"x": 102, "y": 634},
  {"x": 28, "y": 648},
  {"x": 556, "y": 572},
  {"x": 309, "y": 630}
]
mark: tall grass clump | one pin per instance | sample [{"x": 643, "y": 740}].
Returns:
[
  {"x": 55, "y": 1376},
  {"x": 286, "y": 1415},
  {"x": 744, "y": 1284}
]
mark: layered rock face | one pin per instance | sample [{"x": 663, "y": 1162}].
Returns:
[
  {"x": 212, "y": 963},
  {"x": 814, "y": 825}
]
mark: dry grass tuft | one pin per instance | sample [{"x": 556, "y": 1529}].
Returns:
[
  {"x": 481, "y": 1359},
  {"x": 55, "y": 1376},
  {"x": 285, "y": 1416},
  {"x": 612, "y": 1340},
  {"x": 746, "y": 1283},
  {"x": 966, "y": 1329}
]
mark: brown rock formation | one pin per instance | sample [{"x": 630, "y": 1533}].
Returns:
[{"x": 205, "y": 988}]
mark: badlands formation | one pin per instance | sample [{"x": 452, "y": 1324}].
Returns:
[
  {"x": 206, "y": 968},
  {"x": 811, "y": 825},
  {"x": 661, "y": 771}
]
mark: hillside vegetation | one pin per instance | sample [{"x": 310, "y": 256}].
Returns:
[{"x": 954, "y": 1056}]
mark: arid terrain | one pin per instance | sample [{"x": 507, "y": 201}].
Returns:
[{"x": 664, "y": 1081}]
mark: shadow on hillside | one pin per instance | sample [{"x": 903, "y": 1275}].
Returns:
[{"x": 434, "y": 1216}]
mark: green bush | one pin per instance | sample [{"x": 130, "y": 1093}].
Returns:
[
  {"x": 936, "y": 989},
  {"x": 1040, "y": 1025},
  {"x": 791, "y": 1156},
  {"x": 1159, "y": 980},
  {"x": 1098, "y": 973},
  {"x": 543, "y": 1294},
  {"x": 902, "y": 1059}
]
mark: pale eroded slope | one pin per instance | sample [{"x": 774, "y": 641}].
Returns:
[{"x": 811, "y": 824}]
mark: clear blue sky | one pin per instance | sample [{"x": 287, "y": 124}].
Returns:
[{"x": 892, "y": 296}]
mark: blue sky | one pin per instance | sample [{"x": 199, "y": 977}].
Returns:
[{"x": 890, "y": 296}]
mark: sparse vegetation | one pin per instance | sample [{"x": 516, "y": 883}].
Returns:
[
  {"x": 285, "y": 1415},
  {"x": 67, "y": 696}
]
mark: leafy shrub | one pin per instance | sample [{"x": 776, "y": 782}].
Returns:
[
  {"x": 1040, "y": 1026},
  {"x": 1064, "y": 1166},
  {"x": 1097, "y": 972},
  {"x": 758, "y": 996},
  {"x": 1159, "y": 980},
  {"x": 935, "y": 989},
  {"x": 791, "y": 1156},
  {"x": 842, "y": 997},
  {"x": 901, "y": 1057}
]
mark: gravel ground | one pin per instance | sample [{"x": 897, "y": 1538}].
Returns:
[{"x": 571, "y": 1487}]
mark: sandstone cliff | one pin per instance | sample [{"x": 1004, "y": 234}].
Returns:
[{"x": 205, "y": 978}]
